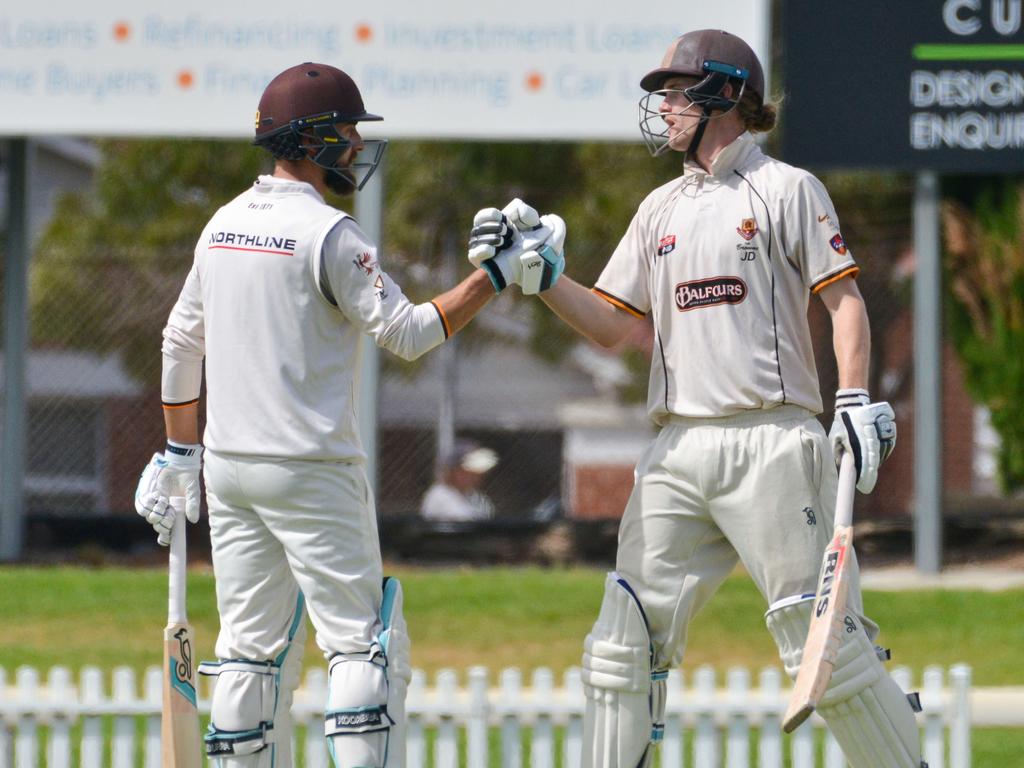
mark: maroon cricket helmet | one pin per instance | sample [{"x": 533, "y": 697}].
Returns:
[
  {"x": 308, "y": 90},
  {"x": 692, "y": 53}
]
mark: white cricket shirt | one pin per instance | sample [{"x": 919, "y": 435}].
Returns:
[
  {"x": 281, "y": 289},
  {"x": 725, "y": 262}
]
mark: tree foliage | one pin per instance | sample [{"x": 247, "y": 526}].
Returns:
[
  {"x": 112, "y": 260},
  {"x": 984, "y": 239}
]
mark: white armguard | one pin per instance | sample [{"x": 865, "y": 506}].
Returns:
[{"x": 181, "y": 380}]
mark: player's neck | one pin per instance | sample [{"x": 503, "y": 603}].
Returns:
[
  {"x": 302, "y": 170},
  {"x": 714, "y": 142}
]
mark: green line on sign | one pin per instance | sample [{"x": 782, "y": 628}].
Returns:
[{"x": 955, "y": 52}]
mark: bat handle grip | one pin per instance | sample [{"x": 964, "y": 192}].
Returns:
[
  {"x": 176, "y": 570},
  {"x": 847, "y": 486}
]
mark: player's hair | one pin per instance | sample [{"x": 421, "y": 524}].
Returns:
[{"x": 757, "y": 116}]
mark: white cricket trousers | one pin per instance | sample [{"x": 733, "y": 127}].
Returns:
[
  {"x": 281, "y": 527},
  {"x": 757, "y": 488}
]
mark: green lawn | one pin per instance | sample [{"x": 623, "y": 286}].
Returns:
[{"x": 496, "y": 617}]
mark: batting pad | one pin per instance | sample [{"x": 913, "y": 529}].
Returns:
[
  {"x": 625, "y": 707},
  {"x": 865, "y": 709},
  {"x": 365, "y": 719},
  {"x": 241, "y": 712},
  {"x": 394, "y": 639}
]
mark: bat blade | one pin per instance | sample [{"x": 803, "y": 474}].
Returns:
[
  {"x": 828, "y": 615},
  {"x": 179, "y": 726}
]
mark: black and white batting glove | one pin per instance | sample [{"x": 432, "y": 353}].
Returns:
[
  {"x": 175, "y": 472},
  {"x": 518, "y": 245},
  {"x": 865, "y": 429}
]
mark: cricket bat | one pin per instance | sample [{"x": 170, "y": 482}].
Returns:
[
  {"x": 179, "y": 723},
  {"x": 825, "y": 633}
]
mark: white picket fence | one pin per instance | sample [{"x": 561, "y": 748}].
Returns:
[{"x": 56, "y": 723}]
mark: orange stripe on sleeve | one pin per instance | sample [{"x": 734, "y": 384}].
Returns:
[
  {"x": 173, "y": 406},
  {"x": 617, "y": 302},
  {"x": 444, "y": 320},
  {"x": 848, "y": 272}
]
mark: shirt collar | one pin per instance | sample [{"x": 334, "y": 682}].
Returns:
[
  {"x": 268, "y": 184},
  {"x": 733, "y": 156}
]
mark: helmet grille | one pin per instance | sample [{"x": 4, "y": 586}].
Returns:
[{"x": 283, "y": 146}]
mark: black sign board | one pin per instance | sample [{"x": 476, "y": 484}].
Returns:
[{"x": 904, "y": 84}]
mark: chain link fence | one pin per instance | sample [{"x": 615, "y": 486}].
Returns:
[{"x": 564, "y": 419}]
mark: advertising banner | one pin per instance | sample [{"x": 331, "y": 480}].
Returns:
[
  {"x": 458, "y": 69},
  {"x": 913, "y": 85}
]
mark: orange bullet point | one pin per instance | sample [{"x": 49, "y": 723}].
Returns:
[
  {"x": 534, "y": 81},
  {"x": 122, "y": 31},
  {"x": 185, "y": 79},
  {"x": 364, "y": 33}
]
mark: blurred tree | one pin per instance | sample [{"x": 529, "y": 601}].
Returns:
[
  {"x": 111, "y": 263},
  {"x": 984, "y": 238},
  {"x": 435, "y": 188},
  {"x": 874, "y": 211}
]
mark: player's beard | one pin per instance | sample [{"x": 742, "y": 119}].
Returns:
[{"x": 341, "y": 181}]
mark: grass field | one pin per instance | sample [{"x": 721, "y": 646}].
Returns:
[{"x": 498, "y": 617}]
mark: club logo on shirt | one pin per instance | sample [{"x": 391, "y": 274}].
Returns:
[
  {"x": 708, "y": 292},
  {"x": 666, "y": 245},
  {"x": 838, "y": 244},
  {"x": 366, "y": 263},
  {"x": 747, "y": 229}
]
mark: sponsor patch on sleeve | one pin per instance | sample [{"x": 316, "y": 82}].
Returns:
[
  {"x": 666, "y": 245},
  {"x": 838, "y": 244}
]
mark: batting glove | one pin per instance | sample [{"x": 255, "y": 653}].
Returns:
[
  {"x": 865, "y": 429},
  {"x": 175, "y": 472},
  {"x": 517, "y": 245},
  {"x": 544, "y": 261}
]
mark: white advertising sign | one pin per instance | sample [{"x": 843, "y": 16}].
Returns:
[{"x": 564, "y": 69}]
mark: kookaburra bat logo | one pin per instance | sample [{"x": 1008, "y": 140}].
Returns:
[{"x": 183, "y": 664}]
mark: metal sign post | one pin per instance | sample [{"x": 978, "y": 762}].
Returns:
[
  {"x": 927, "y": 376},
  {"x": 369, "y": 212},
  {"x": 12, "y": 461}
]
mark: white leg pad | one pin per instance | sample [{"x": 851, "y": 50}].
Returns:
[
  {"x": 365, "y": 718},
  {"x": 356, "y": 722},
  {"x": 394, "y": 639},
  {"x": 864, "y": 707},
  {"x": 625, "y": 709},
  {"x": 241, "y": 712}
]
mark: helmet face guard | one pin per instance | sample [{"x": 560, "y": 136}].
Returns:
[
  {"x": 705, "y": 96},
  {"x": 328, "y": 146},
  {"x": 324, "y": 147}
]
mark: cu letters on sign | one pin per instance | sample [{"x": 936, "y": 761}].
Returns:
[{"x": 964, "y": 17}]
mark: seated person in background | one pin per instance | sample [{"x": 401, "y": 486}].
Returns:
[{"x": 456, "y": 495}]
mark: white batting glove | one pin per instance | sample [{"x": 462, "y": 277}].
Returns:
[
  {"x": 865, "y": 429},
  {"x": 492, "y": 232},
  {"x": 517, "y": 245},
  {"x": 172, "y": 473}
]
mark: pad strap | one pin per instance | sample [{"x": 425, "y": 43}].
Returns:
[{"x": 221, "y": 741}]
